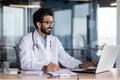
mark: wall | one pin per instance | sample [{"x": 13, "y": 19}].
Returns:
[{"x": 118, "y": 31}]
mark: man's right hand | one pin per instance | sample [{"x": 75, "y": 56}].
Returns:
[{"x": 51, "y": 67}]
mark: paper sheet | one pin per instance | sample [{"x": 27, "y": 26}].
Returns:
[{"x": 32, "y": 73}]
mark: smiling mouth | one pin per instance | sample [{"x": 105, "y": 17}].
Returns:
[{"x": 49, "y": 29}]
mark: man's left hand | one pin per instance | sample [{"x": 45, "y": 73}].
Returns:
[{"x": 87, "y": 65}]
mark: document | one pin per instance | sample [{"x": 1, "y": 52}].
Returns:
[
  {"x": 62, "y": 72},
  {"x": 32, "y": 73}
]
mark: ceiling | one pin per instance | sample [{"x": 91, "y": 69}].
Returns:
[
  {"x": 102, "y": 3},
  {"x": 105, "y": 3}
]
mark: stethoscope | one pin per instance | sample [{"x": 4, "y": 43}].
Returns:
[{"x": 35, "y": 44}]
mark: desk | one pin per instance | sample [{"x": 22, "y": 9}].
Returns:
[{"x": 113, "y": 74}]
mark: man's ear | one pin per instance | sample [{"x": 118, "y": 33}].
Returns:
[{"x": 38, "y": 24}]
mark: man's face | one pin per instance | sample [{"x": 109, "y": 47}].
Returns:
[{"x": 46, "y": 25}]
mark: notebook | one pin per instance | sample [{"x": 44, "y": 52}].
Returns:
[
  {"x": 106, "y": 61},
  {"x": 61, "y": 72}
]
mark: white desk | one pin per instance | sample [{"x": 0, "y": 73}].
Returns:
[{"x": 114, "y": 74}]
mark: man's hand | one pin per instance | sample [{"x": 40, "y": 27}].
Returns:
[
  {"x": 87, "y": 65},
  {"x": 52, "y": 67}
]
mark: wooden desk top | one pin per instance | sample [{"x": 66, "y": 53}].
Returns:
[{"x": 113, "y": 74}]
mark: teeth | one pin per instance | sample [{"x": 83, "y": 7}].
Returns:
[{"x": 49, "y": 29}]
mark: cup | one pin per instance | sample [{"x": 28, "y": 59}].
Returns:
[{"x": 5, "y": 67}]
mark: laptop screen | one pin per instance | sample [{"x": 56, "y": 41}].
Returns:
[{"x": 108, "y": 58}]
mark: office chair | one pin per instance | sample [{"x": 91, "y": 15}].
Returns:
[
  {"x": 85, "y": 49},
  {"x": 16, "y": 47}
]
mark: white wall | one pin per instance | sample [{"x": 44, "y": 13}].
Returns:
[{"x": 118, "y": 31}]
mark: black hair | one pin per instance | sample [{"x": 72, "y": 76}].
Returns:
[{"x": 40, "y": 13}]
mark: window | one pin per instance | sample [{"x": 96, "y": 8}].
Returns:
[{"x": 106, "y": 25}]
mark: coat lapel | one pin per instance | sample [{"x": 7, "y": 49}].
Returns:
[
  {"x": 48, "y": 43},
  {"x": 40, "y": 44},
  {"x": 37, "y": 41}
]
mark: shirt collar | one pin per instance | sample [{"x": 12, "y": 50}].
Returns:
[{"x": 41, "y": 39}]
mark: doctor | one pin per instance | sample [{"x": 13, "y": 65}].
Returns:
[{"x": 39, "y": 50}]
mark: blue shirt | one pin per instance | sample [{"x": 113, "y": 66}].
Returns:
[{"x": 42, "y": 40}]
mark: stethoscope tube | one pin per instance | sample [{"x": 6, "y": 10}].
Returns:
[{"x": 34, "y": 44}]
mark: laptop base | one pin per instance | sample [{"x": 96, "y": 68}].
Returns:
[{"x": 85, "y": 71}]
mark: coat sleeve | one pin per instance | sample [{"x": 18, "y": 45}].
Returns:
[
  {"x": 27, "y": 58},
  {"x": 64, "y": 58}
]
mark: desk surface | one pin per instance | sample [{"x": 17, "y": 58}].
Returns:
[{"x": 110, "y": 75}]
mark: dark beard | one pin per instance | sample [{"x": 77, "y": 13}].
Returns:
[{"x": 45, "y": 31}]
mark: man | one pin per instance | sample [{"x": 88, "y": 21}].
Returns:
[{"x": 39, "y": 50}]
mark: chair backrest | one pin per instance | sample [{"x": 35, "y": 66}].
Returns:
[
  {"x": 85, "y": 49},
  {"x": 16, "y": 47}
]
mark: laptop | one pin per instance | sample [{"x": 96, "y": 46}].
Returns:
[{"x": 106, "y": 61}]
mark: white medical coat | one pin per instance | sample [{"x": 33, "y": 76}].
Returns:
[{"x": 35, "y": 59}]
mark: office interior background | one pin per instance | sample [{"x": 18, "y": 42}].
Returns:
[{"x": 83, "y": 26}]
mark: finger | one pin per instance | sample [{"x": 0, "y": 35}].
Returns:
[
  {"x": 57, "y": 67},
  {"x": 52, "y": 67},
  {"x": 82, "y": 66},
  {"x": 50, "y": 64},
  {"x": 49, "y": 69}
]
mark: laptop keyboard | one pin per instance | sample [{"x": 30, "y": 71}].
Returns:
[{"x": 90, "y": 70}]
